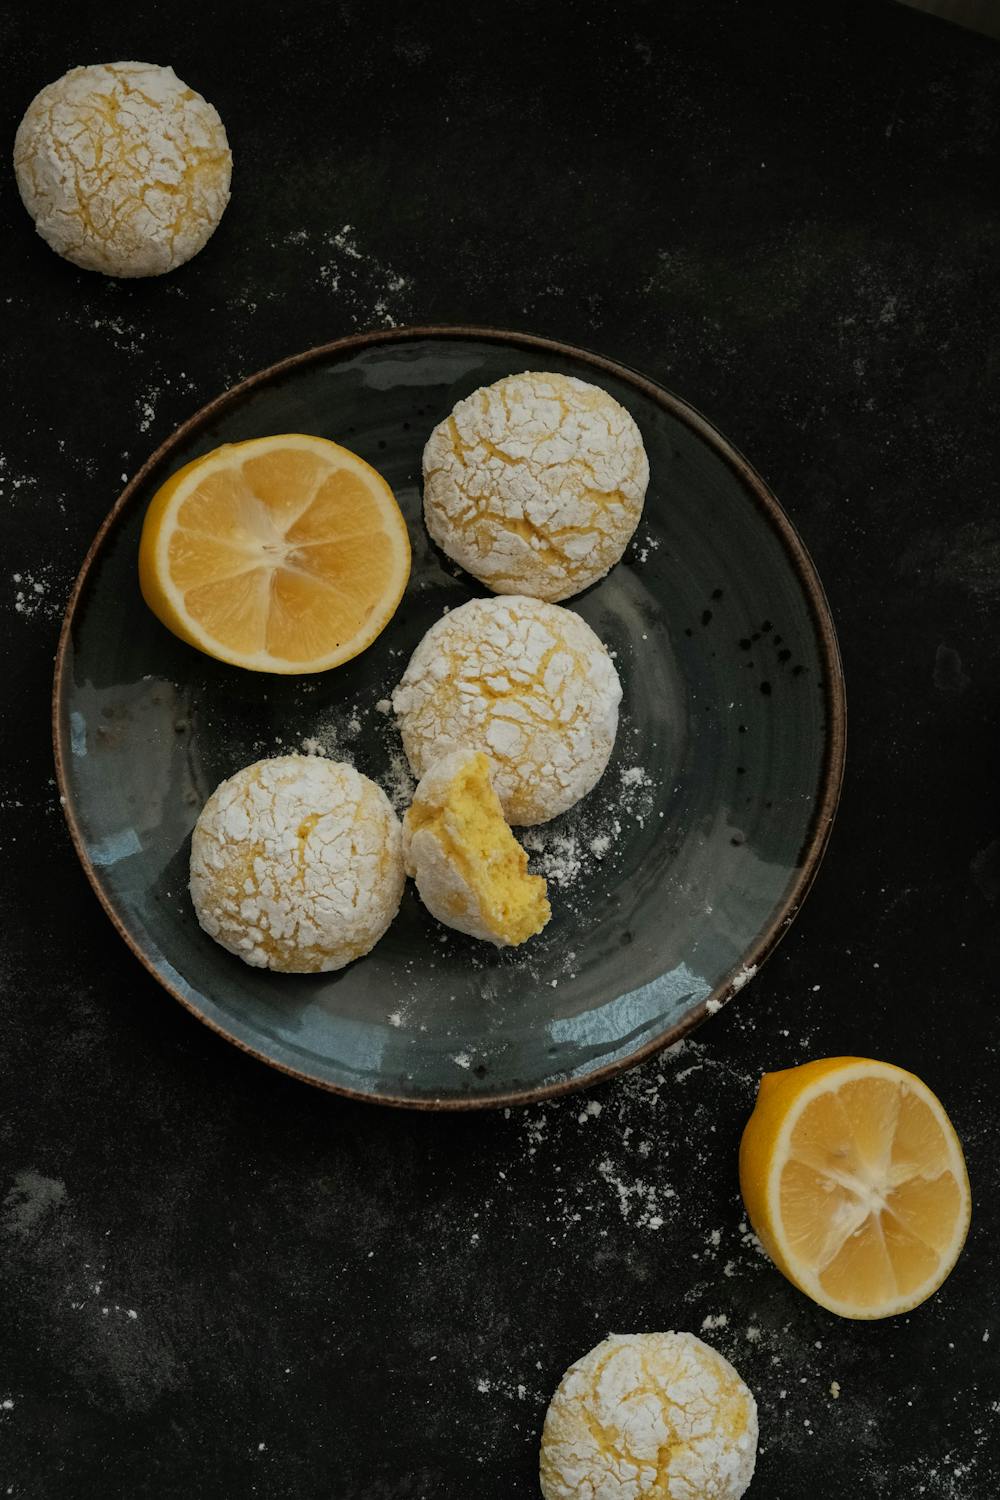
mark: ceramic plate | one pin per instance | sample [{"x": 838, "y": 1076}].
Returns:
[{"x": 670, "y": 883}]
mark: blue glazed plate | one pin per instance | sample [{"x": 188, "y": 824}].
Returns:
[{"x": 670, "y": 883}]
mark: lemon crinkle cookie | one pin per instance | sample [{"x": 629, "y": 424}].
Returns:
[
  {"x": 296, "y": 864},
  {"x": 526, "y": 682},
  {"x": 658, "y": 1415},
  {"x": 471, "y": 872},
  {"x": 535, "y": 484},
  {"x": 123, "y": 168}
]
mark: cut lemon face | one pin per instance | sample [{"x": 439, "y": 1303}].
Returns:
[
  {"x": 281, "y": 554},
  {"x": 855, "y": 1183}
]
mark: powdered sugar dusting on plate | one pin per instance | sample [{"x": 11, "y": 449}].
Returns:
[{"x": 571, "y": 847}]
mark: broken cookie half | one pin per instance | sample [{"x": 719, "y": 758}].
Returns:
[{"x": 471, "y": 872}]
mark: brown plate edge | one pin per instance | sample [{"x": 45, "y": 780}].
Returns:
[{"x": 835, "y": 693}]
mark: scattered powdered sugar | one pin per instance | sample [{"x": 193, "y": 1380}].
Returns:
[
  {"x": 954, "y": 1475},
  {"x": 749, "y": 1238},
  {"x": 641, "y": 1201},
  {"x": 636, "y": 793},
  {"x": 401, "y": 784},
  {"x": 367, "y": 290},
  {"x": 509, "y": 1389},
  {"x": 560, "y": 856},
  {"x": 535, "y": 1129},
  {"x": 334, "y": 733},
  {"x": 631, "y": 1182},
  {"x": 634, "y": 776},
  {"x": 358, "y": 732},
  {"x": 644, "y": 546},
  {"x": 571, "y": 847},
  {"x": 34, "y": 594},
  {"x": 145, "y": 408}
]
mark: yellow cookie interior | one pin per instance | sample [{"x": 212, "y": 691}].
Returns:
[{"x": 469, "y": 824}]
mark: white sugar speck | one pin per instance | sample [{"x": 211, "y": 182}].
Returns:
[{"x": 635, "y": 776}]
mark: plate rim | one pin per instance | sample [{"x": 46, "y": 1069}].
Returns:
[{"x": 831, "y": 778}]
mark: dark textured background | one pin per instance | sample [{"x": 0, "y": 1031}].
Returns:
[{"x": 220, "y": 1284}]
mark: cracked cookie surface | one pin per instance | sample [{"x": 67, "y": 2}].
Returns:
[
  {"x": 649, "y": 1416},
  {"x": 297, "y": 864},
  {"x": 526, "y": 682},
  {"x": 124, "y": 169},
  {"x": 535, "y": 484}
]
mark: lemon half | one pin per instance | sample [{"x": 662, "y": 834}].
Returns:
[
  {"x": 855, "y": 1183},
  {"x": 281, "y": 554}
]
